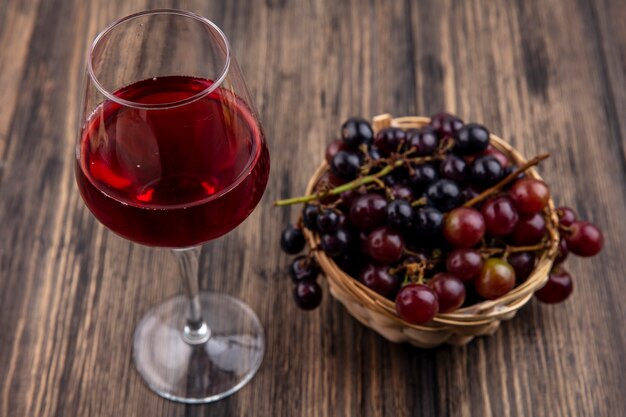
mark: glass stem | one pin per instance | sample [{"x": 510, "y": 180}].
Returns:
[{"x": 195, "y": 331}]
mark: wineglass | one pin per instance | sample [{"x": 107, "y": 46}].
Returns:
[{"x": 171, "y": 153}]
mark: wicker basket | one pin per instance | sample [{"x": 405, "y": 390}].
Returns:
[{"x": 458, "y": 327}]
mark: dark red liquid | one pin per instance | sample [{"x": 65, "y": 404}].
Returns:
[{"x": 172, "y": 177}]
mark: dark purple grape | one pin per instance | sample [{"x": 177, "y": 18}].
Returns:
[
  {"x": 328, "y": 221},
  {"x": 374, "y": 153},
  {"x": 303, "y": 268},
  {"x": 368, "y": 211},
  {"x": 453, "y": 168},
  {"x": 561, "y": 255},
  {"x": 309, "y": 216},
  {"x": 307, "y": 294},
  {"x": 445, "y": 124},
  {"x": 523, "y": 264},
  {"x": 467, "y": 194},
  {"x": 401, "y": 191},
  {"x": 334, "y": 147},
  {"x": 390, "y": 140},
  {"x": 471, "y": 139},
  {"x": 423, "y": 175},
  {"x": 334, "y": 244},
  {"x": 558, "y": 287},
  {"x": 399, "y": 215},
  {"x": 428, "y": 222},
  {"x": 346, "y": 165},
  {"x": 424, "y": 141},
  {"x": 292, "y": 240},
  {"x": 444, "y": 194},
  {"x": 486, "y": 171},
  {"x": 378, "y": 278},
  {"x": 356, "y": 131}
]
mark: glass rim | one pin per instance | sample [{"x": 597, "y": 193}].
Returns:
[{"x": 111, "y": 96}]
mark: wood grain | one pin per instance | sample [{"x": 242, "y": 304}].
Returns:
[{"x": 547, "y": 75}]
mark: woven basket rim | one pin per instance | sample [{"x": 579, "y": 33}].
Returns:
[{"x": 479, "y": 314}]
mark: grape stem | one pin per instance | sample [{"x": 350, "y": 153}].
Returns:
[
  {"x": 514, "y": 249},
  {"x": 509, "y": 178},
  {"x": 352, "y": 184}
]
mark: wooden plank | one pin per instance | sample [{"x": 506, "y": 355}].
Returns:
[{"x": 548, "y": 75}]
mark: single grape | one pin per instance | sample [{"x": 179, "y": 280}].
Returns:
[
  {"x": 292, "y": 240},
  {"x": 500, "y": 216},
  {"x": 502, "y": 158},
  {"x": 486, "y": 171},
  {"x": 390, "y": 140},
  {"x": 423, "y": 175},
  {"x": 585, "y": 239},
  {"x": 334, "y": 147},
  {"x": 303, "y": 268},
  {"x": 368, "y": 211},
  {"x": 399, "y": 215},
  {"x": 307, "y": 294},
  {"x": 401, "y": 191},
  {"x": 471, "y": 139},
  {"x": 558, "y": 287},
  {"x": 523, "y": 264},
  {"x": 450, "y": 291},
  {"x": 427, "y": 221},
  {"x": 464, "y": 227},
  {"x": 337, "y": 243},
  {"x": 385, "y": 245},
  {"x": 309, "y": 216},
  {"x": 567, "y": 216},
  {"x": 346, "y": 165},
  {"x": 496, "y": 279},
  {"x": 445, "y": 124},
  {"x": 356, "y": 131},
  {"x": 453, "y": 168},
  {"x": 378, "y": 278},
  {"x": 424, "y": 141},
  {"x": 464, "y": 264},
  {"x": 444, "y": 194},
  {"x": 467, "y": 194},
  {"x": 530, "y": 195},
  {"x": 561, "y": 256},
  {"x": 328, "y": 221},
  {"x": 417, "y": 303},
  {"x": 530, "y": 229}
]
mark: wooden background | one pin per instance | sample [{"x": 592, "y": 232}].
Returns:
[{"x": 549, "y": 75}]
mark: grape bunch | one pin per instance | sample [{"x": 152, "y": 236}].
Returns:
[{"x": 434, "y": 218}]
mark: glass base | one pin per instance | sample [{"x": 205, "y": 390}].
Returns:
[{"x": 205, "y": 372}]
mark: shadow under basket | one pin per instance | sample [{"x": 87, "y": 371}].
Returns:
[{"x": 455, "y": 328}]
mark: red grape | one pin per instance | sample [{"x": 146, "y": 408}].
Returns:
[
  {"x": 450, "y": 291},
  {"x": 417, "y": 303},
  {"x": 308, "y": 294},
  {"x": 504, "y": 161},
  {"x": 585, "y": 239},
  {"x": 523, "y": 264},
  {"x": 385, "y": 245},
  {"x": 368, "y": 211},
  {"x": 465, "y": 264},
  {"x": 378, "y": 278},
  {"x": 530, "y": 195},
  {"x": 530, "y": 229},
  {"x": 558, "y": 287},
  {"x": 567, "y": 216},
  {"x": 496, "y": 279},
  {"x": 334, "y": 147},
  {"x": 464, "y": 227},
  {"x": 500, "y": 216}
]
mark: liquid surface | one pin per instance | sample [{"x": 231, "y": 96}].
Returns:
[{"x": 172, "y": 177}]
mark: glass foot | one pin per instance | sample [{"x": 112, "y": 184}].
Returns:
[{"x": 205, "y": 372}]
